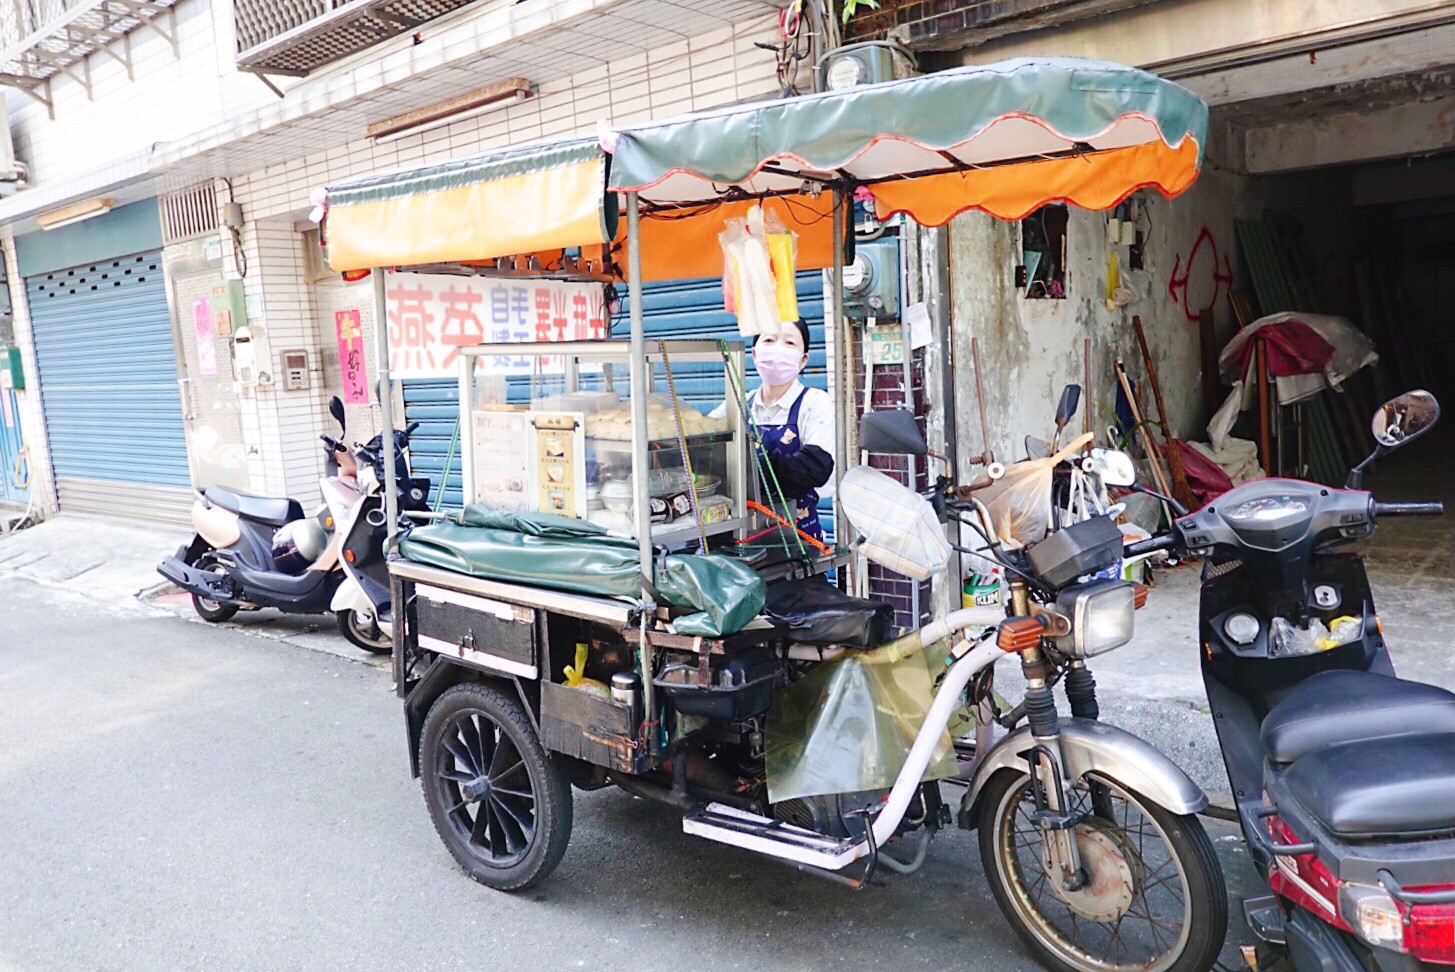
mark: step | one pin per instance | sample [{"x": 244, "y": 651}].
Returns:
[{"x": 774, "y": 838}]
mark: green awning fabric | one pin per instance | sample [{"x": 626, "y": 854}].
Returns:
[{"x": 1017, "y": 110}]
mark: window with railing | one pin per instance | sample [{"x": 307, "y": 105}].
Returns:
[
  {"x": 296, "y": 37},
  {"x": 42, "y": 40}
]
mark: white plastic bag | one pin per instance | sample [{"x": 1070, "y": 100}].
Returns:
[{"x": 749, "y": 271}]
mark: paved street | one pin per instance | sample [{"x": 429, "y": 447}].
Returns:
[{"x": 177, "y": 796}]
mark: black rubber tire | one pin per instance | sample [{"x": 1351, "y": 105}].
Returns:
[
  {"x": 210, "y": 610},
  {"x": 1207, "y": 918},
  {"x": 551, "y": 790},
  {"x": 348, "y": 626}
]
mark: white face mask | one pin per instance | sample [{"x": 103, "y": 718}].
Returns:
[{"x": 779, "y": 364}]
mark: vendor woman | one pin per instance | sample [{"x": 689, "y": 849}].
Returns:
[{"x": 795, "y": 423}]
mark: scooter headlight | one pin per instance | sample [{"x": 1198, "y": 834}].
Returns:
[{"x": 1101, "y": 614}]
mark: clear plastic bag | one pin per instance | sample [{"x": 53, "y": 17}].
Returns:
[
  {"x": 1020, "y": 501},
  {"x": 848, "y": 724},
  {"x": 748, "y": 274}
]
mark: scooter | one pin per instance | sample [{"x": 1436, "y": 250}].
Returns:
[
  {"x": 251, "y": 551},
  {"x": 1343, "y": 774}
]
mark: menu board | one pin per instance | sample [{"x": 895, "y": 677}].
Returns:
[
  {"x": 558, "y": 463},
  {"x": 502, "y": 458}
]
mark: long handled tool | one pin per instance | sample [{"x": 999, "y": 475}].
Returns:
[
  {"x": 987, "y": 456},
  {"x": 1181, "y": 490},
  {"x": 1147, "y": 444}
]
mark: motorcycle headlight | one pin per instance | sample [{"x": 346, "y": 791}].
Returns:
[{"x": 1101, "y": 616}]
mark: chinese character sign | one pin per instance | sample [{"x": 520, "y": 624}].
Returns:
[
  {"x": 432, "y": 316},
  {"x": 206, "y": 336},
  {"x": 351, "y": 356}
]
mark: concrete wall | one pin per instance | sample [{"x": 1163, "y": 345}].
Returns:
[{"x": 1030, "y": 349}]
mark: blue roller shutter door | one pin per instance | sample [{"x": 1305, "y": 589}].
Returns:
[
  {"x": 673, "y": 309},
  {"x": 108, "y": 372}
]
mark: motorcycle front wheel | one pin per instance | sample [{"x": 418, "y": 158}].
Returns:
[
  {"x": 1153, "y": 899},
  {"x": 364, "y": 632}
]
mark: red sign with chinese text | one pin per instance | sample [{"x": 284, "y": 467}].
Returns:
[
  {"x": 351, "y": 356},
  {"x": 432, "y": 316}
]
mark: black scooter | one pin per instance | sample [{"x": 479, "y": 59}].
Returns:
[
  {"x": 1343, "y": 774},
  {"x": 256, "y": 551}
]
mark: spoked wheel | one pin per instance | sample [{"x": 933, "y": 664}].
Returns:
[
  {"x": 364, "y": 632},
  {"x": 206, "y": 607},
  {"x": 1153, "y": 900},
  {"x": 497, "y": 801}
]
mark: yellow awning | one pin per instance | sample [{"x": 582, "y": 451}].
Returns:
[{"x": 518, "y": 201}]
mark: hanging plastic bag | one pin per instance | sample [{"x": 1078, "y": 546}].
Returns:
[
  {"x": 755, "y": 291},
  {"x": 783, "y": 256},
  {"x": 1020, "y": 501}
]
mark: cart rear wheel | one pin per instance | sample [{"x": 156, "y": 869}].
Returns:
[{"x": 500, "y": 804}]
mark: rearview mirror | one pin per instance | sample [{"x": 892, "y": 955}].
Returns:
[
  {"x": 1070, "y": 398},
  {"x": 893, "y": 431},
  {"x": 1112, "y": 466},
  {"x": 1404, "y": 419},
  {"x": 336, "y": 409}
]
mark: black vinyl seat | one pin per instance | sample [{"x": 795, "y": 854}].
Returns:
[
  {"x": 1337, "y": 707},
  {"x": 263, "y": 509},
  {"x": 1399, "y": 787}
]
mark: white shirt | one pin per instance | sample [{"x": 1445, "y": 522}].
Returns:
[{"x": 815, "y": 418}]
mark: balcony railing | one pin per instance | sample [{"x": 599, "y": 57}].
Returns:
[
  {"x": 295, "y": 37},
  {"x": 41, "y": 39}
]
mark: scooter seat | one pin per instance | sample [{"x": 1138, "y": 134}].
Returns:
[
  {"x": 1350, "y": 706},
  {"x": 1400, "y": 787},
  {"x": 262, "y": 509}
]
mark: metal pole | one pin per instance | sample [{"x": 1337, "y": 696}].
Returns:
[
  {"x": 843, "y": 410},
  {"x": 386, "y": 403},
  {"x": 639, "y": 375}
]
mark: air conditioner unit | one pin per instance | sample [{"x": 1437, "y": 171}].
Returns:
[
  {"x": 14, "y": 175},
  {"x": 867, "y": 62}
]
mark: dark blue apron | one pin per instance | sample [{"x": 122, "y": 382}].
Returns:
[{"x": 785, "y": 440}]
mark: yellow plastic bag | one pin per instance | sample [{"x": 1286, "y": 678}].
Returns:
[
  {"x": 782, "y": 252},
  {"x": 576, "y": 675}
]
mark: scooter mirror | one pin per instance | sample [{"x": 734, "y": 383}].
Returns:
[
  {"x": 1112, "y": 467},
  {"x": 1404, "y": 419},
  {"x": 336, "y": 409},
  {"x": 894, "y": 431},
  {"x": 1070, "y": 398}
]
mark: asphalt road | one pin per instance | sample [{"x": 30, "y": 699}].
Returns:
[{"x": 176, "y": 796}]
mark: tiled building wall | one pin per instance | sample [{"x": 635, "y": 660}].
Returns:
[{"x": 169, "y": 95}]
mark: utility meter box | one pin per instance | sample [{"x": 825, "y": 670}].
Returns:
[
  {"x": 871, "y": 281},
  {"x": 229, "y": 311},
  {"x": 12, "y": 373}
]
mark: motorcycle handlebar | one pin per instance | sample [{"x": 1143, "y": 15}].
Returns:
[
  {"x": 1164, "y": 542},
  {"x": 1409, "y": 509}
]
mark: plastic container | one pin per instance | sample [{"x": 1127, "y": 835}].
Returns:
[{"x": 742, "y": 687}]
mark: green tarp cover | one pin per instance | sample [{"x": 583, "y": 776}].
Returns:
[
  {"x": 1070, "y": 101},
  {"x": 565, "y": 554}
]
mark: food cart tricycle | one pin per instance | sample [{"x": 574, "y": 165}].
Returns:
[{"x": 598, "y": 615}]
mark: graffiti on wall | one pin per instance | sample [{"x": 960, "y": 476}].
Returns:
[{"x": 1200, "y": 282}]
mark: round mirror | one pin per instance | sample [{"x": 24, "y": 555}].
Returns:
[
  {"x": 1403, "y": 419},
  {"x": 336, "y": 409}
]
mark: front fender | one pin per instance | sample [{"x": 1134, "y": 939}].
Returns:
[
  {"x": 1088, "y": 746},
  {"x": 350, "y": 597}
]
